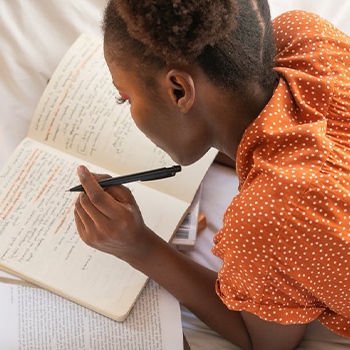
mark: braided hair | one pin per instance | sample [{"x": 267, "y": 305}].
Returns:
[{"x": 231, "y": 40}]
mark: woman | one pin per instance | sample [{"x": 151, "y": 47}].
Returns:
[{"x": 201, "y": 74}]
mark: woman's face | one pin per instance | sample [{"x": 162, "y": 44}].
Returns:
[{"x": 181, "y": 135}]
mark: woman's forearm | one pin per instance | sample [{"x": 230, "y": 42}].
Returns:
[
  {"x": 194, "y": 286},
  {"x": 111, "y": 221}
]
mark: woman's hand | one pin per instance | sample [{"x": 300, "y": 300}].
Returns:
[{"x": 110, "y": 220}]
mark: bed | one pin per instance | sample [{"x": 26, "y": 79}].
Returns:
[{"x": 35, "y": 35}]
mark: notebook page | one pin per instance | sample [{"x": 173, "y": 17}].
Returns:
[
  {"x": 77, "y": 114},
  {"x": 38, "y": 237}
]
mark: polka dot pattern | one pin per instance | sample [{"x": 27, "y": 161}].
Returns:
[{"x": 285, "y": 241}]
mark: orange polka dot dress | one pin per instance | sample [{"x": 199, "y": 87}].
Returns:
[{"x": 285, "y": 241}]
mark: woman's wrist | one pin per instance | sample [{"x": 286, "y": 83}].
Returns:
[{"x": 143, "y": 255}]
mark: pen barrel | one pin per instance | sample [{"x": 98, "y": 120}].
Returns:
[
  {"x": 144, "y": 176},
  {"x": 149, "y": 175},
  {"x": 119, "y": 181}
]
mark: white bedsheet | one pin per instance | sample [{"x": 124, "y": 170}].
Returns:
[{"x": 35, "y": 34}]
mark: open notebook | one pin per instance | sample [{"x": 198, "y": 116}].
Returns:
[{"x": 77, "y": 121}]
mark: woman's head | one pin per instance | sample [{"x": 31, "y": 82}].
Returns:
[{"x": 230, "y": 41}]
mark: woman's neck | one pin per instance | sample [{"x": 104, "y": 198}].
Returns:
[{"x": 233, "y": 114}]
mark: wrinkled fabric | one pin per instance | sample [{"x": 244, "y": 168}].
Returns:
[{"x": 285, "y": 242}]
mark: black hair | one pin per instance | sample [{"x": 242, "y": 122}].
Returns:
[{"x": 231, "y": 40}]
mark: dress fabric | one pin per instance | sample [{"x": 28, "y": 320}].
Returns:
[{"x": 285, "y": 240}]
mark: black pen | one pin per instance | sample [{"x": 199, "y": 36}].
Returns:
[{"x": 148, "y": 175}]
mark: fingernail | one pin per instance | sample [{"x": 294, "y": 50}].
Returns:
[{"x": 81, "y": 170}]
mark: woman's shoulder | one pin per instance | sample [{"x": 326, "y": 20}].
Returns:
[
  {"x": 302, "y": 28},
  {"x": 299, "y": 21}
]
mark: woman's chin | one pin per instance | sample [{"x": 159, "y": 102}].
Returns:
[{"x": 183, "y": 160}]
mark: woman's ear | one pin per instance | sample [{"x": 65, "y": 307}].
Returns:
[{"x": 181, "y": 89}]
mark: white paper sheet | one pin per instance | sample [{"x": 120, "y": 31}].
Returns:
[{"x": 34, "y": 319}]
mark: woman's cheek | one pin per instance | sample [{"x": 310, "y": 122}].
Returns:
[
  {"x": 146, "y": 123},
  {"x": 138, "y": 117}
]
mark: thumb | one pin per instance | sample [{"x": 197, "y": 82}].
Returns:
[
  {"x": 122, "y": 194},
  {"x": 100, "y": 176}
]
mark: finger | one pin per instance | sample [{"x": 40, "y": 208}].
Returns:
[
  {"x": 99, "y": 177},
  {"x": 78, "y": 222},
  {"x": 96, "y": 216},
  {"x": 84, "y": 216},
  {"x": 122, "y": 194},
  {"x": 102, "y": 200},
  {"x": 80, "y": 227}
]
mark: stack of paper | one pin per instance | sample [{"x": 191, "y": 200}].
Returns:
[{"x": 34, "y": 319}]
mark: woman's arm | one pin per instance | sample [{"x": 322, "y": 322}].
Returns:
[
  {"x": 194, "y": 286},
  {"x": 110, "y": 221}
]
